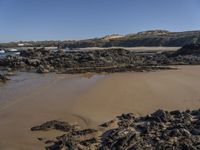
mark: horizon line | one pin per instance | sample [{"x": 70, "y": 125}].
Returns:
[{"x": 100, "y": 36}]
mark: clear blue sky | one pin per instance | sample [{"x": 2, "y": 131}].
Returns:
[{"x": 79, "y": 19}]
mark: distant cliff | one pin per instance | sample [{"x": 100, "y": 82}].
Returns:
[{"x": 146, "y": 38}]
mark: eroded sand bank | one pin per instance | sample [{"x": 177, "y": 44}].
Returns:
[{"x": 31, "y": 100}]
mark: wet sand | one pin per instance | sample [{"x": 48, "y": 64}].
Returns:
[
  {"x": 31, "y": 99},
  {"x": 141, "y": 93}
]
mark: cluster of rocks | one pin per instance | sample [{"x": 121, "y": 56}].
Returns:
[
  {"x": 192, "y": 49},
  {"x": 160, "y": 130},
  {"x": 44, "y": 61},
  {"x": 109, "y": 60}
]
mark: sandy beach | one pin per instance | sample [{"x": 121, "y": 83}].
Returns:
[
  {"x": 142, "y": 93},
  {"x": 31, "y": 99}
]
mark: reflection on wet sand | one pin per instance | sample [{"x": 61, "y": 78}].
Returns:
[{"x": 31, "y": 99}]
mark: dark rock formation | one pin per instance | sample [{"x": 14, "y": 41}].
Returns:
[
  {"x": 3, "y": 78},
  {"x": 58, "y": 125},
  {"x": 107, "y": 60},
  {"x": 160, "y": 130},
  {"x": 192, "y": 49},
  {"x": 112, "y": 60},
  {"x": 42, "y": 69}
]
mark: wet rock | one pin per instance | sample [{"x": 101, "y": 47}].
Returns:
[
  {"x": 3, "y": 78},
  {"x": 193, "y": 49},
  {"x": 42, "y": 69},
  {"x": 112, "y": 60},
  {"x": 160, "y": 130},
  {"x": 195, "y": 131},
  {"x": 161, "y": 116},
  {"x": 33, "y": 62},
  {"x": 58, "y": 125},
  {"x": 126, "y": 116},
  {"x": 84, "y": 132},
  {"x": 108, "y": 124},
  {"x": 89, "y": 141},
  {"x": 185, "y": 132}
]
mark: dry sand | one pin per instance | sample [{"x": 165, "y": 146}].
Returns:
[{"x": 29, "y": 100}]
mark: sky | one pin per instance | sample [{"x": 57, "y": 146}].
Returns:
[{"x": 82, "y": 19}]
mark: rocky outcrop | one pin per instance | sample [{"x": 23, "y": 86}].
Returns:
[
  {"x": 111, "y": 60},
  {"x": 191, "y": 49},
  {"x": 107, "y": 60},
  {"x": 159, "y": 130}
]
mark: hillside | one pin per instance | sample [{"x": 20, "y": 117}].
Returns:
[{"x": 146, "y": 38}]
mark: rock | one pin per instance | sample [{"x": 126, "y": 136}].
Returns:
[
  {"x": 189, "y": 49},
  {"x": 84, "y": 132},
  {"x": 10, "y": 73},
  {"x": 41, "y": 69},
  {"x": 187, "y": 118},
  {"x": 89, "y": 142},
  {"x": 33, "y": 62},
  {"x": 3, "y": 78},
  {"x": 176, "y": 113},
  {"x": 160, "y": 130},
  {"x": 195, "y": 131},
  {"x": 108, "y": 124},
  {"x": 185, "y": 132},
  {"x": 107, "y": 60},
  {"x": 58, "y": 125},
  {"x": 126, "y": 116},
  {"x": 161, "y": 116},
  {"x": 40, "y": 139},
  {"x": 142, "y": 128}
]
